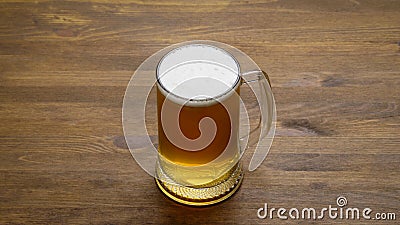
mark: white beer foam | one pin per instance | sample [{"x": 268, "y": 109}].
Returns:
[{"x": 210, "y": 75}]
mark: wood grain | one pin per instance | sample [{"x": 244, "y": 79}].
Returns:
[{"x": 64, "y": 67}]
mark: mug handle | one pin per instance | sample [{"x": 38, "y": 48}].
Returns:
[{"x": 259, "y": 83}]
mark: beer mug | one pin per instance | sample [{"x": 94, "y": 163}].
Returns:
[{"x": 198, "y": 114}]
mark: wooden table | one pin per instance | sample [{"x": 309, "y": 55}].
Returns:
[{"x": 64, "y": 67}]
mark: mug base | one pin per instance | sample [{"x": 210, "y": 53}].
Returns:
[{"x": 201, "y": 196}]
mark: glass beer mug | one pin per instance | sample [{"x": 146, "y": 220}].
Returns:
[{"x": 198, "y": 112}]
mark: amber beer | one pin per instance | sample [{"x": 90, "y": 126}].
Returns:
[
  {"x": 193, "y": 90},
  {"x": 189, "y": 119}
]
